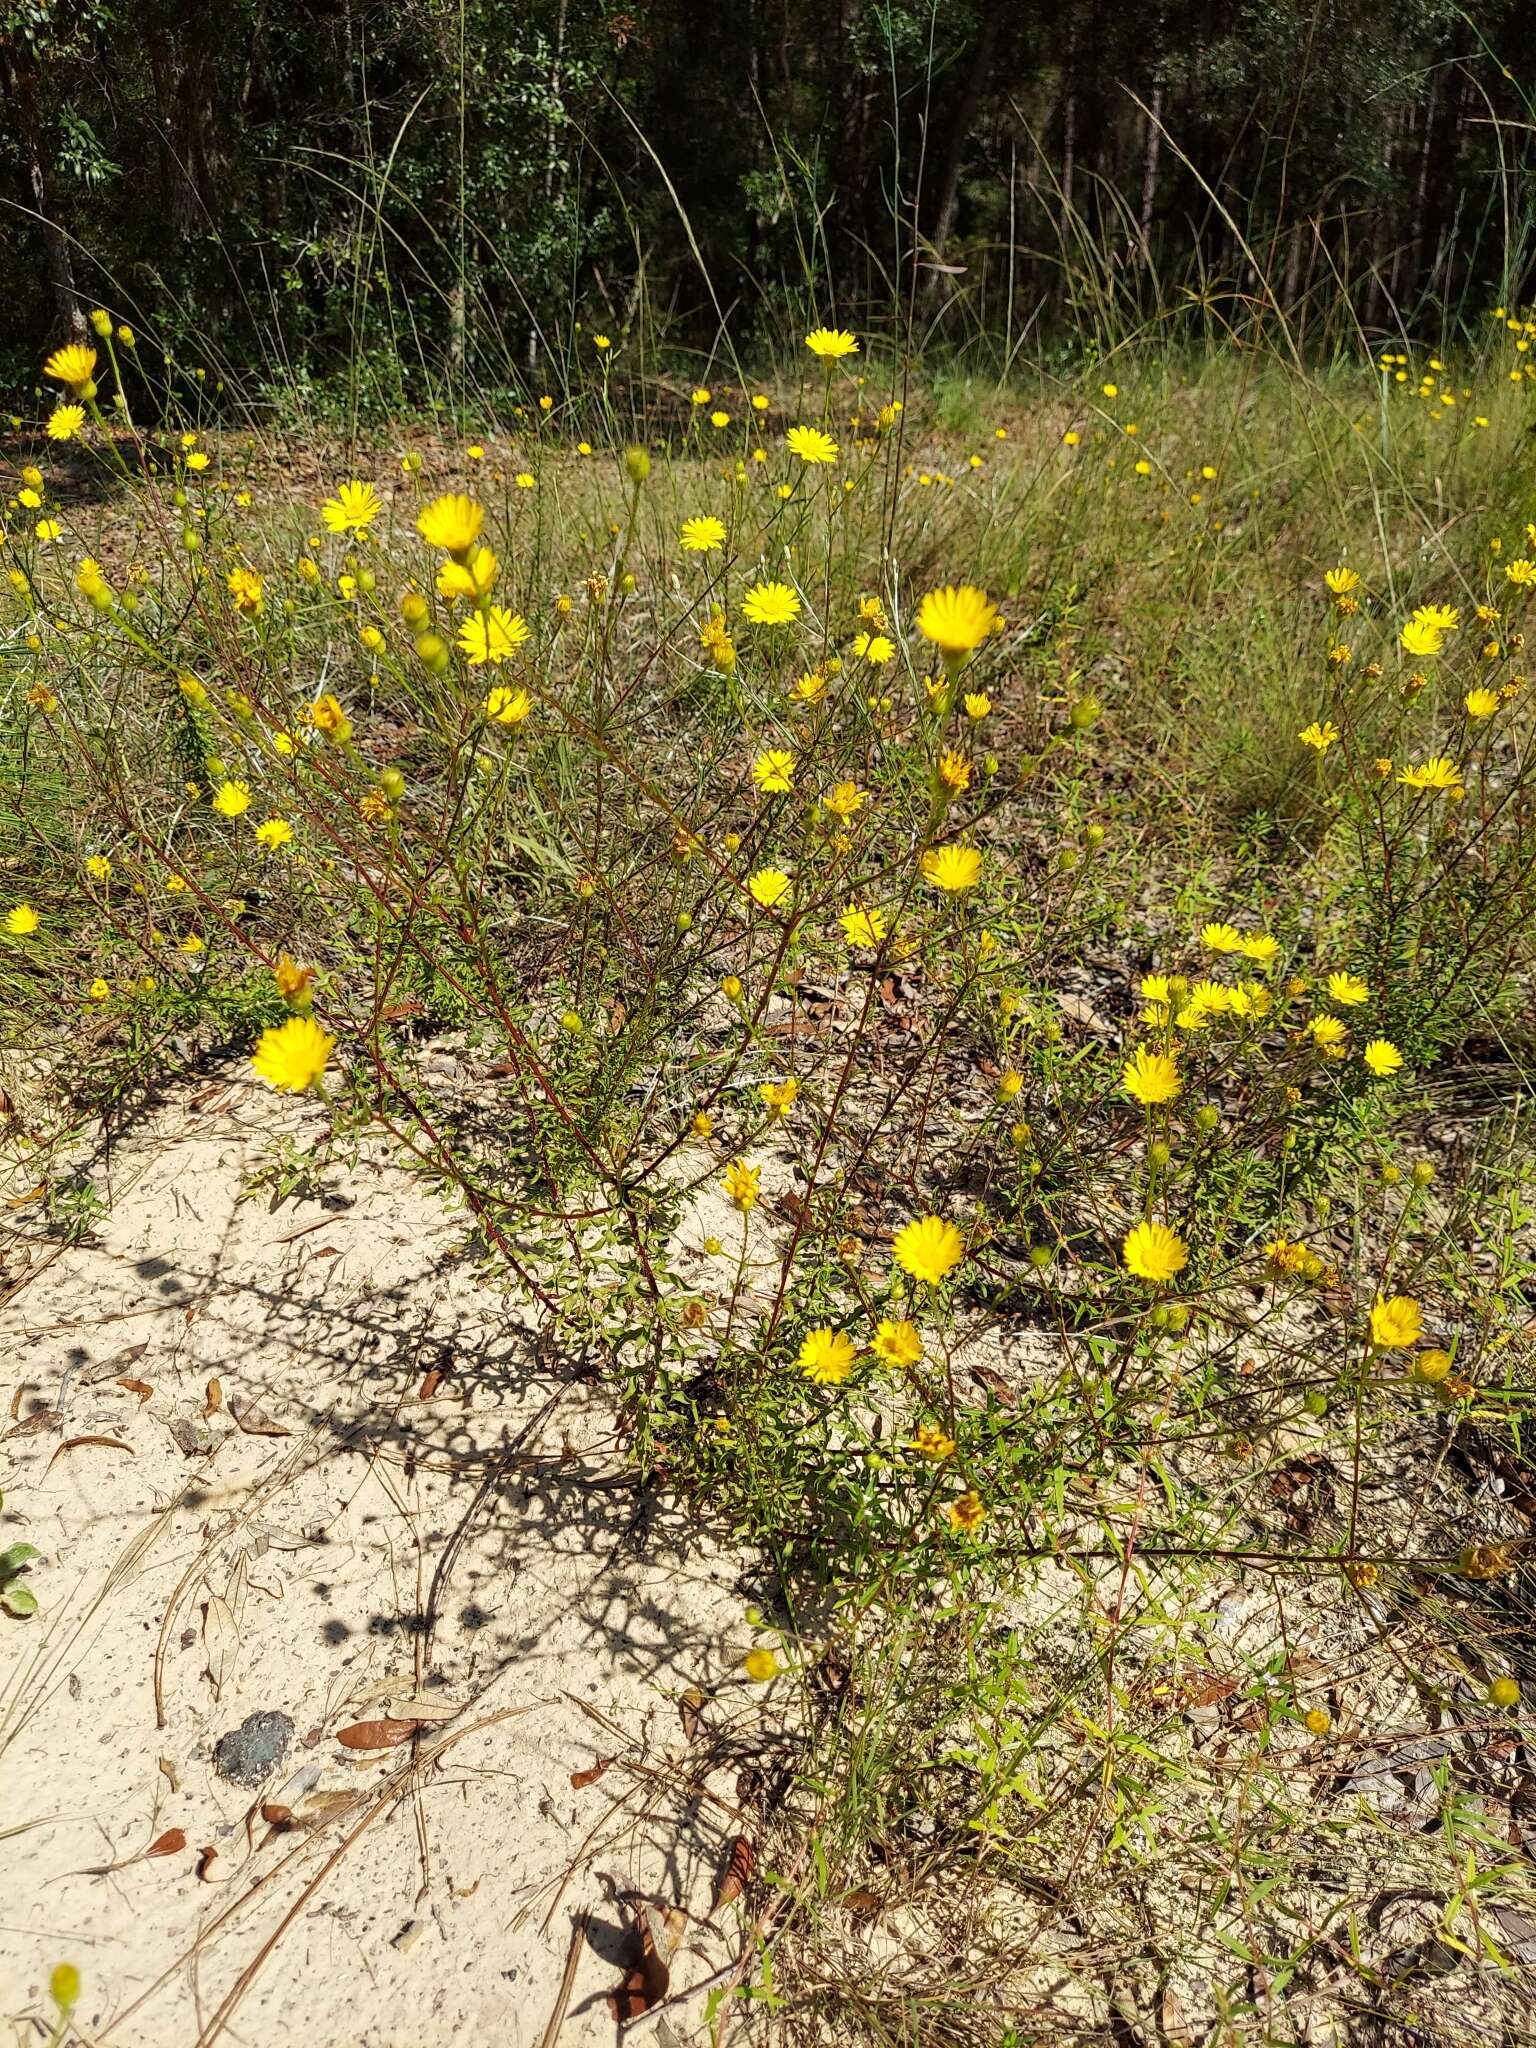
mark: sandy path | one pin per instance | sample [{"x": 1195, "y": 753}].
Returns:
[{"x": 481, "y": 1551}]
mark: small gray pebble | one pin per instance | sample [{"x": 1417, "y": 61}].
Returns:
[{"x": 249, "y": 1754}]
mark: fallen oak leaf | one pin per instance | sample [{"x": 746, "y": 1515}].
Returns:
[
  {"x": 253, "y": 1420},
  {"x": 387, "y": 1733},
  {"x": 580, "y": 1780},
  {"x": 213, "y": 1399},
  {"x": 430, "y": 1384},
  {"x": 690, "y": 1709},
  {"x": 207, "y": 1856},
  {"x": 140, "y": 1387},
  {"x": 171, "y": 1843}
]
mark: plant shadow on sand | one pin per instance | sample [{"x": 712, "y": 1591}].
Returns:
[{"x": 398, "y": 1496}]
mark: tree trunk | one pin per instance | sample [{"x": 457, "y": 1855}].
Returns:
[
  {"x": 960, "y": 132},
  {"x": 1149, "y": 169},
  {"x": 21, "y": 78}
]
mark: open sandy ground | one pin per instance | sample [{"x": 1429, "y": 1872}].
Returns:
[{"x": 398, "y": 1503}]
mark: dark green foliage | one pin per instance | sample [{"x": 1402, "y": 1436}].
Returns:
[{"x": 427, "y": 197}]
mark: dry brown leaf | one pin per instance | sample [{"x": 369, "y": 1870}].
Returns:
[
  {"x": 206, "y": 1857},
  {"x": 213, "y": 1399},
  {"x": 140, "y": 1387},
  {"x": 580, "y": 1780},
  {"x": 738, "y": 1873},
  {"x": 421, "y": 1710},
  {"x": 384, "y": 1734},
  {"x": 221, "y": 1640},
  {"x": 861, "y": 1900},
  {"x": 171, "y": 1843},
  {"x": 653, "y": 1942},
  {"x": 253, "y": 1420},
  {"x": 276, "y": 1816},
  {"x": 70, "y": 1443},
  {"x": 115, "y": 1367},
  {"x": 430, "y": 1384},
  {"x": 36, "y": 1423}
]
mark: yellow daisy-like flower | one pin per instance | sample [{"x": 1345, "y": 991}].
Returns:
[
  {"x": 1481, "y": 703},
  {"x": 827, "y": 1357},
  {"x": 966, "y": 1514},
  {"x": 1154, "y": 1252},
  {"x": 245, "y": 590},
  {"x": 22, "y": 921},
  {"x": 862, "y": 927},
  {"x": 474, "y": 577},
  {"x": 741, "y": 1184},
  {"x": 1444, "y": 618},
  {"x": 99, "y": 990},
  {"x": 292, "y": 1056},
  {"x": 1319, "y": 735},
  {"x": 1328, "y": 1034},
  {"x": 928, "y": 1250},
  {"x": 701, "y": 536},
  {"x": 274, "y": 833},
  {"x": 328, "y": 717},
  {"x": 845, "y": 800},
  {"x": 1261, "y": 947},
  {"x": 1150, "y": 1077},
  {"x": 504, "y": 706},
  {"x": 977, "y": 705},
  {"x": 831, "y": 344},
  {"x": 1382, "y": 1057},
  {"x": 771, "y": 604},
  {"x": 811, "y": 445},
  {"x": 491, "y": 635},
  {"x": 1421, "y": 639},
  {"x": 952, "y": 869},
  {"x": 1221, "y": 938},
  {"x": 99, "y": 868},
  {"x": 232, "y": 799},
  {"x": 452, "y": 523},
  {"x": 1438, "y": 772},
  {"x": 74, "y": 365},
  {"x": 929, "y": 1441},
  {"x": 779, "y": 1096},
  {"x": 65, "y": 421},
  {"x": 1341, "y": 581},
  {"x": 898, "y": 1343},
  {"x": 295, "y": 984},
  {"x": 1396, "y": 1324},
  {"x": 874, "y": 647},
  {"x": 760, "y": 1666},
  {"x": 1348, "y": 990},
  {"x": 769, "y": 887},
  {"x": 956, "y": 619},
  {"x": 774, "y": 771},
  {"x": 353, "y": 509}
]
